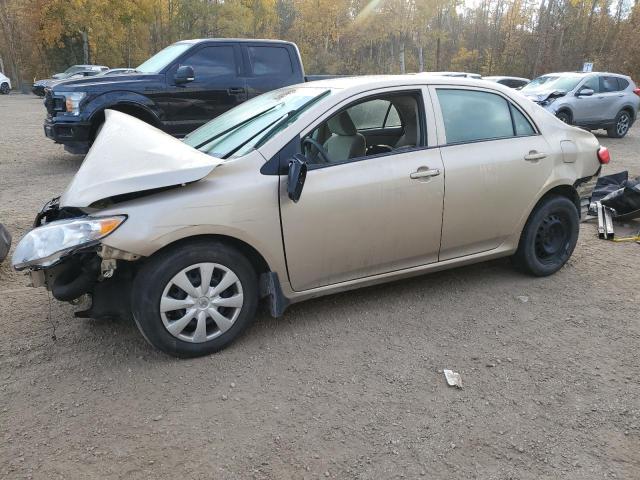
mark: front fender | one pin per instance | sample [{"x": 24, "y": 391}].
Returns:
[
  {"x": 99, "y": 104},
  {"x": 235, "y": 200}
]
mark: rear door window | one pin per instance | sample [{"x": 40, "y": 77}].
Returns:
[
  {"x": 473, "y": 115},
  {"x": 609, "y": 84},
  {"x": 273, "y": 61}
]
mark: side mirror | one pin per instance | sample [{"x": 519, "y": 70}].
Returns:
[
  {"x": 184, "y": 74},
  {"x": 297, "y": 176},
  {"x": 585, "y": 92}
]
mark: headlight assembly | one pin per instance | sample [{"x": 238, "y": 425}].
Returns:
[
  {"x": 44, "y": 246},
  {"x": 72, "y": 101}
]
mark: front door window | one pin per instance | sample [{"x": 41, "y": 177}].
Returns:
[{"x": 380, "y": 125}]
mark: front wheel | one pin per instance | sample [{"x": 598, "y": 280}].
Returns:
[
  {"x": 549, "y": 237},
  {"x": 621, "y": 127},
  {"x": 564, "y": 116},
  {"x": 194, "y": 299}
]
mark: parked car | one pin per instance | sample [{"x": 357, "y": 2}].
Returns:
[
  {"x": 589, "y": 100},
  {"x": 177, "y": 90},
  {"x": 305, "y": 191},
  {"x": 5, "y": 84},
  {"x": 76, "y": 71},
  {"x": 513, "y": 82},
  {"x": 116, "y": 71}
]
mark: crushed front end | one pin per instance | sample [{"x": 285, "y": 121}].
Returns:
[{"x": 64, "y": 253}]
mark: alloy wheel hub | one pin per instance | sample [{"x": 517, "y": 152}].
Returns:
[{"x": 623, "y": 124}]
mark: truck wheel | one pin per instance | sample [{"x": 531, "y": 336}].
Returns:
[
  {"x": 4, "y": 88},
  {"x": 549, "y": 237},
  {"x": 195, "y": 299},
  {"x": 621, "y": 126}
]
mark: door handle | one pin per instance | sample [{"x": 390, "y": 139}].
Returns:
[
  {"x": 424, "y": 172},
  {"x": 534, "y": 156},
  {"x": 235, "y": 90}
]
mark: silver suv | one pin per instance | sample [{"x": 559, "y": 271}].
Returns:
[{"x": 588, "y": 100}]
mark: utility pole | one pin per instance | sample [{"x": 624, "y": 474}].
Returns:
[{"x": 85, "y": 47}]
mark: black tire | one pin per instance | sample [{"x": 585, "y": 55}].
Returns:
[
  {"x": 549, "y": 237},
  {"x": 621, "y": 125},
  {"x": 565, "y": 117},
  {"x": 4, "y": 89},
  {"x": 157, "y": 274}
]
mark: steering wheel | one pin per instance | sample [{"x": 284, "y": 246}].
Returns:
[{"x": 322, "y": 152}]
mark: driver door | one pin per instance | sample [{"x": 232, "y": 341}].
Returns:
[
  {"x": 587, "y": 109},
  {"x": 368, "y": 214},
  {"x": 216, "y": 88}
]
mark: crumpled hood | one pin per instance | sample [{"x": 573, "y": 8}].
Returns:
[
  {"x": 131, "y": 156},
  {"x": 540, "y": 94}
]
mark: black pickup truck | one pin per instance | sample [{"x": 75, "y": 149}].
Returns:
[{"x": 177, "y": 90}]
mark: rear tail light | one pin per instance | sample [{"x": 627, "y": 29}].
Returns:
[
  {"x": 636, "y": 91},
  {"x": 603, "y": 155}
]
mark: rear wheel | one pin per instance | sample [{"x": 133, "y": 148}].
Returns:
[
  {"x": 4, "y": 88},
  {"x": 621, "y": 126},
  {"x": 549, "y": 237},
  {"x": 195, "y": 299}
]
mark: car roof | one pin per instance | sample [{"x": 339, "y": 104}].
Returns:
[
  {"x": 451, "y": 74},
  {"x": 581, "y": 74},
  {"x": 384, "y": 81},
  {"x": 505, "y": 77},
  {"x": 239, "y": 40}
]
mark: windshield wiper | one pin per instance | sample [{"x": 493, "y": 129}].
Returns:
[
  {"x": 237, "y": 125},
  {"x": 273, "y": 126},
  {"x": 277, "y": 121}
]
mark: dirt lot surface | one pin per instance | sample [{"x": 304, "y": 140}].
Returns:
[{"x": 347, "y": 386}]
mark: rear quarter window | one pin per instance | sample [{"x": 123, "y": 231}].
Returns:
[
  {"x": 273, "y": 61},
  {"x": 521, "y": 125}
]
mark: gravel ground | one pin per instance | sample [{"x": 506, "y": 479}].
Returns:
[{"x": 346, "y": 386}]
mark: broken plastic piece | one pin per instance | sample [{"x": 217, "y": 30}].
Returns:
[{"x": 453, "y": 378}]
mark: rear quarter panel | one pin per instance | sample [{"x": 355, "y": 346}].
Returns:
[{"x": 578, "y": 159}]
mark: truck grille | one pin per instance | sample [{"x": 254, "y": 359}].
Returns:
[{"x": 53, "y": 104}]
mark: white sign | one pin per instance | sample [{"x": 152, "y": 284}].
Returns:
[{"x": 587, "y": 67}]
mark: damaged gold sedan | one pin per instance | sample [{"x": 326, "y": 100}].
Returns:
[{"x": 306, "y": 191}]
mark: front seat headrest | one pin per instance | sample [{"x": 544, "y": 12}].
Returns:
[{"x": 342, "y": 125}]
